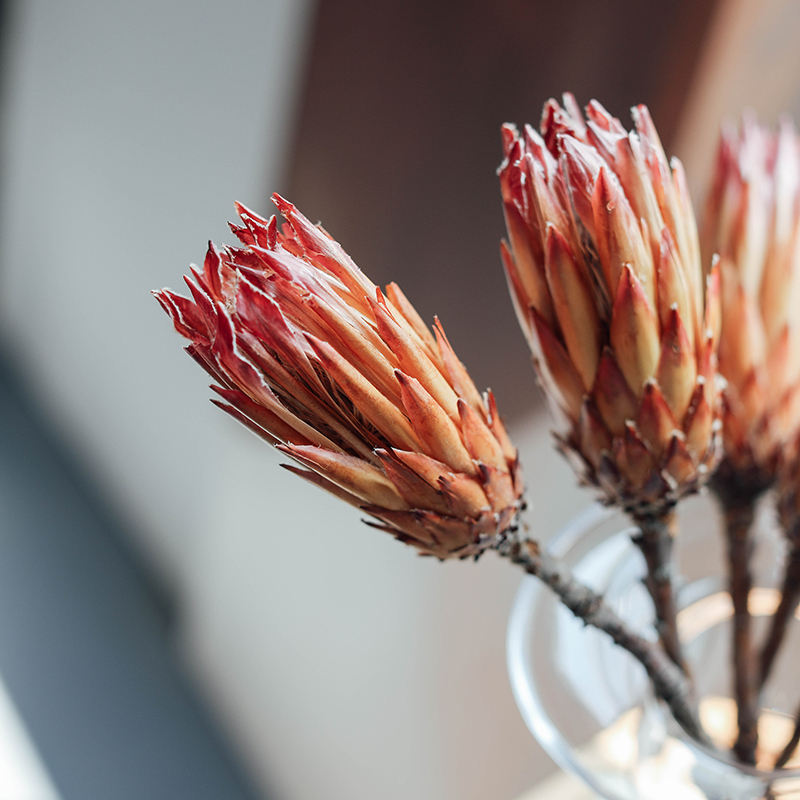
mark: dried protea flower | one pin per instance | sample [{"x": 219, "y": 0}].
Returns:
[
  {"x": 349, "y": 382},
  {"x": 604, "y": 268},
  {"x": 753, "y": 222}
]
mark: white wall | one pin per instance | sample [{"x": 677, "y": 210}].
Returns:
[
  {"x": 346, "y": 666},
  {"x": 130, "y": 129}
]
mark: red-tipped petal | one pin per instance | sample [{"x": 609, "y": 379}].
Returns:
[
  {"x": 619, "y": 237},
  {"x": 480, "y": 441},
  {"x": 595, "y": 439},
  {"x": 581, "y": 164},
  {"x": 429, "y": 469},
  {"x": 256, "y": 417},
  {"x": 360, "y": 345},
  {"x": 634, "y": 332},
  {"x": 673, "y": 292},
  {"x": 574, "y": 305},
  {"x": 499, "y": 487},
  {"x": 433, "y": 427},
  {"x": 655, "y": 421},
  {"x": 464, "y": 495},
  {"x": 679, "y": 462},
  {"x": 352, "y": 474},
  {"x": 699, "y": 424},
  {"x": 256, "y": 224},
  {"x": 615, "y": 401},
  {"x": 557, "y": 372},
  {"x": 677, "y": 367},
  {"x": 381, "y": 412},
  {"x": 498, "y": 429},
  {"x": 527, "y": 251},
  {"x": 323, "y": 483},
  {"x": 327, "y": 253},
  {"x": 414, "y": 361},
  {"x": 517, "y": 292},
  {"x": 742, "y": 344},
  {"x": 417, "y": 492},
  {"x": 638, "y": 461},
  {"x": 414, "y": 321},
  {"x": 186, "y": 317},
  {"x": 456, "y": 372}
]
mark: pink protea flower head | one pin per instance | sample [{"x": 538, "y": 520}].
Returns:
[
  {"x": 603, "y": 264},
  {"x": 347, "y": 380},
  {"x": 752, "y": 221}
]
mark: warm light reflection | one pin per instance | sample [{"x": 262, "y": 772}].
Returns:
[
  {"x": 716, "y": 608},
  {"x": 661, "y": 772},
  {"x": 662, "y": 776},
  {"x": 718, "y": 715}
]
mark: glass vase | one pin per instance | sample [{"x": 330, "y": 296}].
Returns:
[{"x": 589, "y": 703}]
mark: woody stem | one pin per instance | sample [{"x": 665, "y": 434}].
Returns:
[
  {"x": 655, "y": 537},
  {"x": 790, "y": 596},
  {"x": 669, "y": 682},
  {"x": 791, "y": 746},
  {"x": 738, "y": 492},
  {"x": 738, "y": 526}
]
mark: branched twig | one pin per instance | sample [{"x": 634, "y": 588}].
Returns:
[
  {"x": 655, "y": 537},
  {"x": 670, "y": 684}
]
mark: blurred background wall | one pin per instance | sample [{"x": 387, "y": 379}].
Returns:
[{"x": 339, "y": 664}]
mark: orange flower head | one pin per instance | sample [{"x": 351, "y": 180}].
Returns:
[
  {"x": 753, "y": 222},
  {"x": 603, "y": 265},
  {"x": 347, "y": 380}
]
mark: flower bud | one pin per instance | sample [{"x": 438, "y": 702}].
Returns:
[
  {"x": 604, "y": 269},
  {"x": 348, "y": 381}
]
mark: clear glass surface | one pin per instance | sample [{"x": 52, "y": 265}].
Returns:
[{"x": 589, "y": 703}]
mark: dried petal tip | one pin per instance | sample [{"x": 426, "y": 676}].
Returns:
[
  {"x": 604, "y": 268},
  {"x": 351, "y": 384}
]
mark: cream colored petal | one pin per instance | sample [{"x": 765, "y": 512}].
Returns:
[
  {"x": 574, "y": 306},
  {"x": 634, "y": 333},
  {"x": 433, "y": 427},
  {"x": 350, "y": 473}
]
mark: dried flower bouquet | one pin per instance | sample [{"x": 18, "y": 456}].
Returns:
[{"x": 659, "y": 364}]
